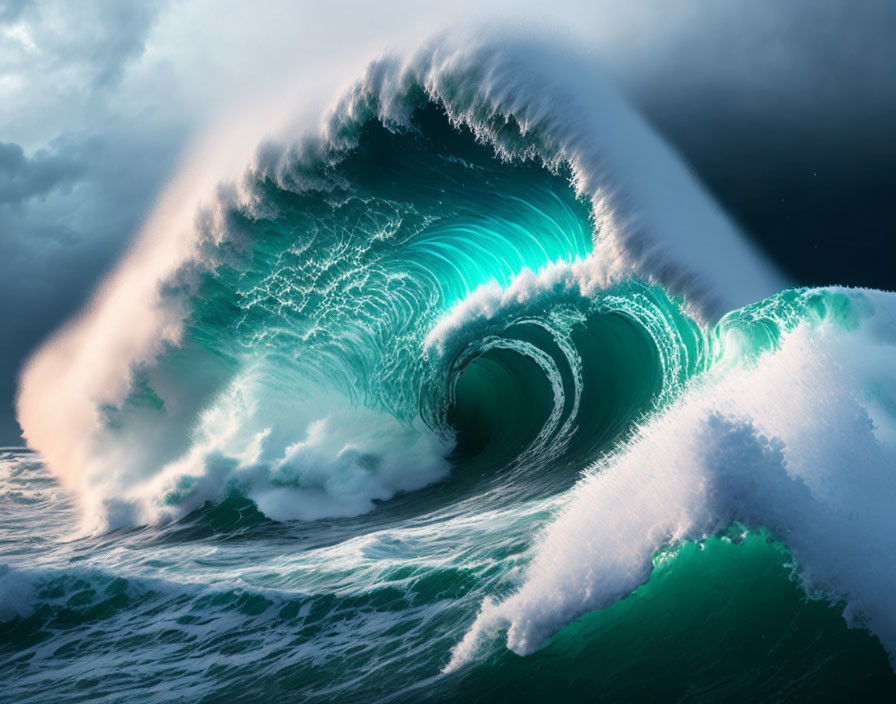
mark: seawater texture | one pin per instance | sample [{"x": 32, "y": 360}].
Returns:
[{"x": 473, "y": 396}]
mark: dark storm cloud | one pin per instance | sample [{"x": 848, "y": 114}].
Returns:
[
  {"x": 770, "y": 75},
  {"x": 23, "y": 178},
  {"x": 53, "y": 249},
  {"x": 828, "y": 61},
  {"x": 786, "y": 111}
]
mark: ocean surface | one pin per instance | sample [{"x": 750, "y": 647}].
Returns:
[{"x": 471, "y": 394}]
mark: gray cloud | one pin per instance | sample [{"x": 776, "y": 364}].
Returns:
[
  {"x": 54, "y": 248},
  {"x": 23, "y": 178},
  {"x": 817, "y": 66},
  {"x": 91, "y": 42},
  {"x": 786, "y": 111},
  {"x": 11, "y": 9}
]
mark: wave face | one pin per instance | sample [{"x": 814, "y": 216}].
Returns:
[{"x": 480, "y": 346}]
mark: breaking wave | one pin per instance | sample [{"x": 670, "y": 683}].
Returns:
[{"x": 483, "y": 274}]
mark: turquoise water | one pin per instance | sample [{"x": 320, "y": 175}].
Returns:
[{"x": 343, "y": 488}]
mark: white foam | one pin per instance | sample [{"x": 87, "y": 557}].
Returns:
[
  {"x": 584, "y": 277},
  {"x": 802, "y": 442},
  {"x": 321, "y": 457}
]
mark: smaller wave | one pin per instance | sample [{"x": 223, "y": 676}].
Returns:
[
  {"x": 16, "y": 594},
  {"x": 793, "y": 429}
]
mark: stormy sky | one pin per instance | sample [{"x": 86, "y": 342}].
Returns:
[{"x": 785, "y": 111}]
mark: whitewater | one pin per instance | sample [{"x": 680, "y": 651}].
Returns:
[{"x": 469, "y": 386}]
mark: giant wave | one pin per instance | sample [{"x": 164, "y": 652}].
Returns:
[{"x": 484, "y": 272}]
